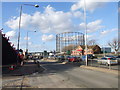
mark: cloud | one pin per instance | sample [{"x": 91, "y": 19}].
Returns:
[
  {"x": 47, "y": 37},
  {"x": 91, "y": 5},
  {"x": 25, "y": 22},
  {"x": 106, "y": 32},
  {"x": 78, "y": 14},
  {"x": 90, "y": 36},
  {"x": 52, "y": 21},
  {"x": 48, "y": 21},
  {"x": 25, "y": 38},
  {"x": 92, "y": 26},
  {"x": 11, "y": 34}
]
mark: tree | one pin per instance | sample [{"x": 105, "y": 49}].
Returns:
[
  {"x": 69, "y": 47},
  {"x": 115, "y": 45},
  {"x": 91, "y": 42}
]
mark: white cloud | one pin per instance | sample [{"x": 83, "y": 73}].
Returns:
[
  {"x": 92, "y": 26},
  {"x": 25, "y": 38},
  {"x": 11, "y": 34},
  {"x": 52, "y": 21},
  {"x": 90, "y": 36},
  {"x": 106, "y": 32},
  {"x": 91, "y": 5},
  {"x": 47, "y": 37},
  {"x": 29, "y": 43},
  {"x": 78, "y": 14},
  {"x": 48, "y": 21}
]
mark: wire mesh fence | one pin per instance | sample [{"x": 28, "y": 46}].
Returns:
[{"x": 95, "y": 63}]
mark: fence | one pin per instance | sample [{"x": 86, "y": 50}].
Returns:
[{"x": 95, "y": 63}]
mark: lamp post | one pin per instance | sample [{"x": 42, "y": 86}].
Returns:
[
  {"x": 85, "y": 21},
  {"x": 103, "y": 48},
  {"x": 20, "y": 22},
  {"x": 27, "y": 40}
]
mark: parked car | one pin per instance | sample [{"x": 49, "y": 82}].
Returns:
[
  {"x": 51, "y": 57},
  {"x": 110, "y": 56},
  {"x": 67, "y": 57},
  {"x": 89, "y": 56},
  {"x": 83, "y": 57},
  {"x": 118, "y": 58},
  {"x": 61, "y": 58},
  {"x": 74, "y": 59},
  {"x": 107, "y": 61}
]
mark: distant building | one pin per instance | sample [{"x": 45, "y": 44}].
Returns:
[
  {"x": 80, "y": 50},
  {"x": 106, "y": 49},
  {"x": 37, "y": 53}
]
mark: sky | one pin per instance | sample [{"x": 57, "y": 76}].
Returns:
[{"x": 52, "y": 18}]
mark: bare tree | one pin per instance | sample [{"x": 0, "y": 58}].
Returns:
[
  {"x": 69, "y": 47},
  {"x": 91, "y": 42},
  {"x": 115, "y": 45}
]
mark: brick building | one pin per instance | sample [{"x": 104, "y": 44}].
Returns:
[{"x": 80, "y": 50}]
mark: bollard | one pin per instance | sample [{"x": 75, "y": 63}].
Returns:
[{"x": 38, "y": 64}]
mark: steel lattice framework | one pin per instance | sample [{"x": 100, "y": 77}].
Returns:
[{"x": 69, "y": 38}]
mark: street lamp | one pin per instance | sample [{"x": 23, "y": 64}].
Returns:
[
  {"x": 85, "y": 21},
  {"x": 103, "y": 46},
  {"x": 27, "y": 40},
  {"x": 20, "y": 21}
]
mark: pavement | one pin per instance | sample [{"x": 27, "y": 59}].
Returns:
[
  {"x": 101, "y": 69},
  {"x": 17, "y": 78},
  {"x": 29, "y": 67}
]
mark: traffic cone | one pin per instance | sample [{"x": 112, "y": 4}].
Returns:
[{"x": 12, "y": 67}]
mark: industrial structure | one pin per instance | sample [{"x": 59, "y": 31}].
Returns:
[{"x": 66, "y": 39}]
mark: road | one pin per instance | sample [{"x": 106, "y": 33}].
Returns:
[{"x": 58, "y": 75}]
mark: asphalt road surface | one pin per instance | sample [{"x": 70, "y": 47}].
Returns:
[{"x": 58, "y": 75}]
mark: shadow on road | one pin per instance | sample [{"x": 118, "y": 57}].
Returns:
[{"x": 56, "y": 67}]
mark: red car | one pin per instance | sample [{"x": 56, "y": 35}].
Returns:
[{"x": 74, "y": 59}]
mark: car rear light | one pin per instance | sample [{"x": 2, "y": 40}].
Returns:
[{"x": 108, "y": 58}]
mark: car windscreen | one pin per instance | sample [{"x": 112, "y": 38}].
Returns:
[
  {"x": 103, "y": 58},
  {"x": 118, "y": 57}
]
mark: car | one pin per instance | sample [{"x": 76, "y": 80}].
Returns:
[
  {"x": 51, "y": 57},
  {"x": 83, "y": 57},
  {"x": 118, "y": 58},
  {"x": 89, "y": 56},
  {"x": 107, "y": 61},
  {"x": 61, "y": 58},
  {"x": 67, "y": 57},
  {"x": 112, "y": 56},
  {"x": 74, "y": 59}
]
